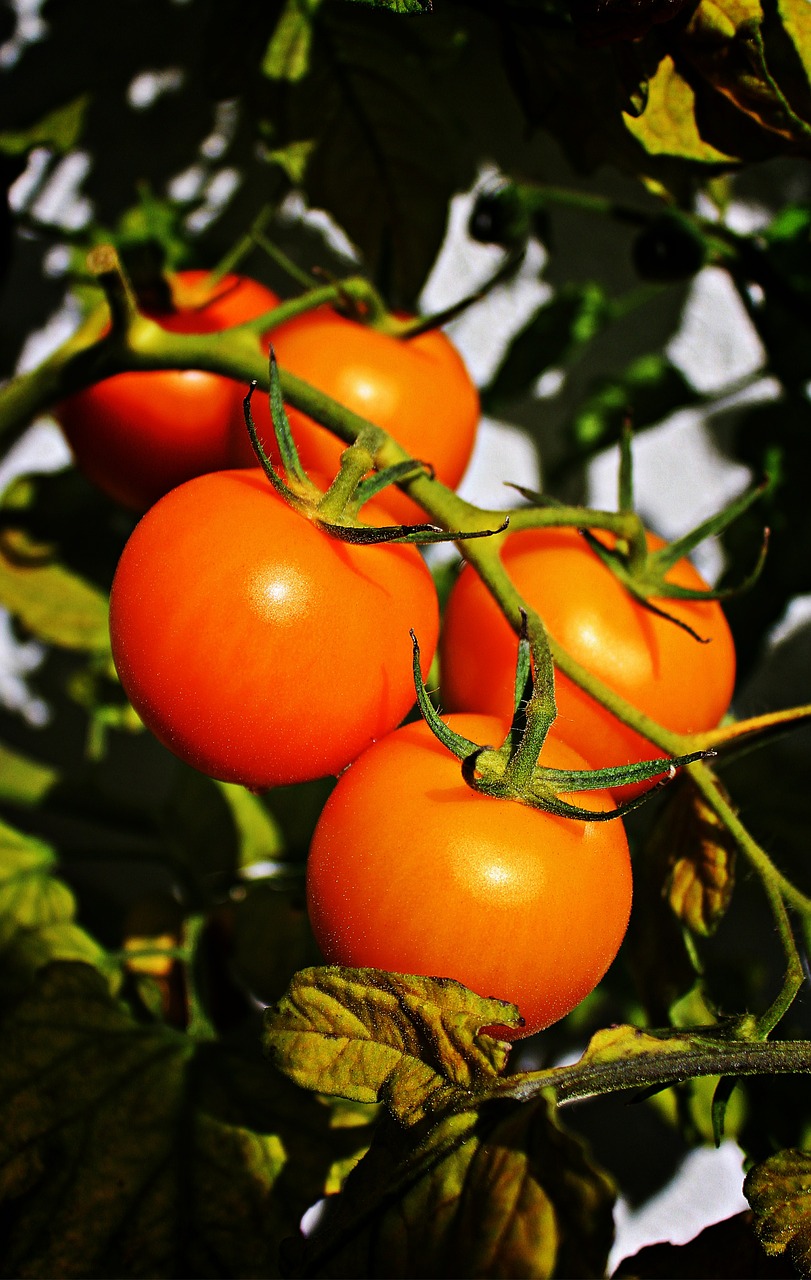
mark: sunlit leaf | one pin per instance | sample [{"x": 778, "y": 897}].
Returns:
[
  {"x": 505, "y": 1193},
  {"x": 37, "y": 913},
  {"x": 23, "y": 780},
  {"x": 154, "y": 1156},
  {"x": 50, "y": 601},
  {"x": 369, "y": 1035},
  {"x": 60, "y": 129},
  {"x": 293, "y": 159},
  {"x": 667, "y": 126},
  {"x": 288, "y": 55},
  {"x": 400, "y": 6},
  {"x": 779, "y": 1191}
]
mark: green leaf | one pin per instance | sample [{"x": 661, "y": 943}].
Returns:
[
  {"x": 51, "y": 602},
  {"x": 288, "y": 54},
  {"x": 24, "y": 781},
  {"x": 293, "y": 159},
  {"x": 779, "y": 1191},
  {"x": 649, "y": 389},
  {"x": 60, "y": 130},
  {"x": 568, "y": 321},
  {"x": 400, "y": 6},
  {"x": 37, "y": 913},
  {"x": 367, "y": 1035},
  {"x": 272, "y": 938},
  {"x": 260, "y": 836},
  {"x": 392, "y": 157},
  {"x": 503, "y": 1193},
  {"x": 153, "y": 1156}
]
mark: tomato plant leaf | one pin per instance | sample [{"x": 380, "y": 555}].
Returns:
[
  {"x": 37, "y": 913},
  {"x": 503, "y": 1193},
  {"x": 649, "y": 389},
  {"x": 779, "y": 1191},
  {"x": 60, "y": 130},
  {"x": 667, "y": 126},
  {"x": 400, "y": 6},
  {"x": 51, "y": 602},
  {"x": 391, "y": 158},
  {"x": 701, "y": 855},
  {"x": 288, "y": 54},
  {"x": 731, "y": 1244},
  {"x": 260, "y": 835},
  {"x": 724, "y": 42},
  {"x": 24, "y": 781},
  {"x": 369, "y": 1035},
  {"x": 272, "y": 937},
  {"x": 155, "y": 1155},
  {"x": 569, "y": 320}
]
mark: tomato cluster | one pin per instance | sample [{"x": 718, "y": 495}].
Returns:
[{"x": 264, "y": 651}]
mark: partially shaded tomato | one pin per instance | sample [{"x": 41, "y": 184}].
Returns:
[
  {"x": 653, "y": 663},
  {"x": 417, "y": 389},
  {"x": 137, "y": 435}
]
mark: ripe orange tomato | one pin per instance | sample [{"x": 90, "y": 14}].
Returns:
[
  {"x": 412, "y": 871},
  {"x": 137, "y": 435},
  {"x": 654, "y": 664},
  {"x": 417, "y": 389},
  {"x": 254, "y": 646}
]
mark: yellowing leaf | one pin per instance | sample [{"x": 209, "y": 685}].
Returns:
[
  {"x": 505, "y": 1192},
  {"x": 368, "y": 1035},
  {"x": 796, "y": 18},
  {"x": 667, "y": 126},
  {"x": 779, "y": 1191}
]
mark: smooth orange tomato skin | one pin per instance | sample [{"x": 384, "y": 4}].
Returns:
[
  {"x": 412, "y": 871},
  {"x": 416, "y": 389},
  {"x": 138, "y": 435},
  {"x": 257, "y": 648},
  {"x": 682, "y": 684}
]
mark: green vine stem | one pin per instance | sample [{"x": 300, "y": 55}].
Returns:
[{"x": 661, "y": 1064}]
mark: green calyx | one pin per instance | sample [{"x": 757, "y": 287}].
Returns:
[
  {"x": 643, "y": 572},
  {"x": 336, "y": 511},
  {"x": 511, "y": 770}
]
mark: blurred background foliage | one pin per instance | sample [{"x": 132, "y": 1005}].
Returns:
[{"x": 621, "y": 157}]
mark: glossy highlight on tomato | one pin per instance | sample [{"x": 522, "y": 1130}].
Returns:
[
  {"x": 254, "y": 646},
  {"x": 655, "y": 665},
  {"x": 138, "y": 435},
  {"x": 417, "y": 389},
  {"x": 412, "y": 871}
]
